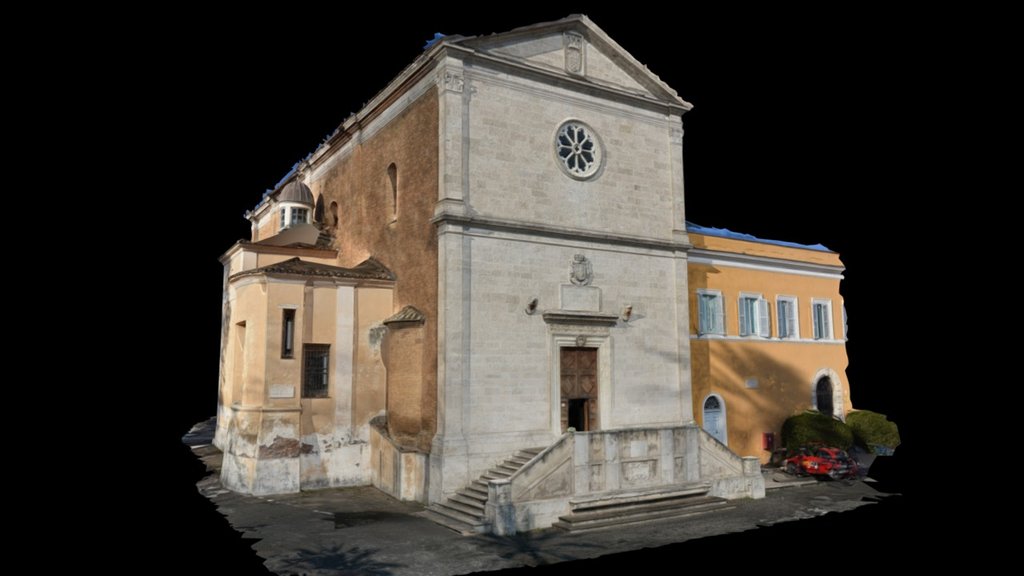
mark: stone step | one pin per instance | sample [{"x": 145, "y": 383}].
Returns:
[
  {"x": 641, "y": 508},
  {"x": 463, "y": 512},
  {"x": 470, "y": 501},
  {"x": 473, "y": 493},
  {"x": 626, "y": 497},
  {"x": 464, "y": 528},
  {"x": 609, "y": 518}
]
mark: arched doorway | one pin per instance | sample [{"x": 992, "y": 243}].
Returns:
[
  {"x": 714, "y": 418},
  {"x": 823, "y": 394}
]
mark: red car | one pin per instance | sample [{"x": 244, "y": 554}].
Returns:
[{"x": 831, "y": 462}]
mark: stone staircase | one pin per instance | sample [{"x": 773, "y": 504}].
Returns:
[
  {"x": 612, "y": 509},
  {"x": 464, "y": 511}
]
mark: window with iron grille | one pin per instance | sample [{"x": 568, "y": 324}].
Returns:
[{"x": 315, "y": 360}]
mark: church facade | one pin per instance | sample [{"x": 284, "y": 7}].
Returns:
[{"x": 481, "y": 293}]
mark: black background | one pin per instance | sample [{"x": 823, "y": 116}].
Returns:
[{"x": 805, "y": 127}]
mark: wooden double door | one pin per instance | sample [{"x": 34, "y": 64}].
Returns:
[{"x": 578, "y": 369}]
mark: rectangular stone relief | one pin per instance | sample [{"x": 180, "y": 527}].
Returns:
[
  {"x": 639, "y": 472},
  {"x": 596, "y": 478},
  {"x": 282, "y": 391},
  {"x": 580, "y": 298}
]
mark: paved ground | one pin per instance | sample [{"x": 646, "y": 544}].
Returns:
[{"x": 362, "y": 531}]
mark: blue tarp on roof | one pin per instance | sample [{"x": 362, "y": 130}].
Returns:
[
  {"x": 437, "y": 38},
  {"x": 726, "y": 233}
]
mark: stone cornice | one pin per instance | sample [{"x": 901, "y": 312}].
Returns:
[
  {"x": 702, "y": 255},
  {"x": 310, "y": 251},
  {"x": 577, "y": 318},
  {"x": 538, "y": 229}
]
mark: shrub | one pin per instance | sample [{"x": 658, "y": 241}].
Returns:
[
  {"x": 871, "y": 429},
  {"x": 812, "y": 427}
]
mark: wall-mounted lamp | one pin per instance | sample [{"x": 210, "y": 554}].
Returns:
[
  {"x": 531, "y": 307},
  {"x": 627, "y": 312}
]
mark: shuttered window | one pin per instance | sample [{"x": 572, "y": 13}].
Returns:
[
  {"x": 753, "y": 316},
  {"x": 711, "y": 314},
  {"x": 786, "y": 315},
  {"x": 822, "y": 319}
]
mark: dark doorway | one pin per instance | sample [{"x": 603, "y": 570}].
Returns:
[
  {"x": 578, "y": 414},
  {"x": 824, "y": 394},
  {"x": 578, "y": 370}
]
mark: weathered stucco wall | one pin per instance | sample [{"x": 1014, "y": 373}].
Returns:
[{"x": 401, "y": 237}]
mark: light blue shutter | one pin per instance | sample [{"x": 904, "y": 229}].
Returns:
[
  {"x": 764, "y": 330},
  {"x": 702, "y": 313},
  {"x": 719, "y": 308},
  {"x": 744, "y": 317},
  {"x": 822, "y": 323},
  {"x": 790, "y": 319},
  {"x": 785, "y": 319}
]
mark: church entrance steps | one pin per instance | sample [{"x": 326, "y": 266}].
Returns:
[
  {"x": 618, "y": 509},
  {"x": 626, "y": 497},
  {"x": 465, "y": 511}
]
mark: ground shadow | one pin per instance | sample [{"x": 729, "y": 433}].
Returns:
[
  {"x": 535, "y": 548},
  {"x": 354, "y": 560}
]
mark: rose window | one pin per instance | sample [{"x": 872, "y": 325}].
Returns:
[{"x": 578, "y": 149}]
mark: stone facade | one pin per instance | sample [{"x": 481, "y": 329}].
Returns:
[{"x": 505, "y": 204}]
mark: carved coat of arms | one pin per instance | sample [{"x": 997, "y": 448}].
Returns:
[
  {"x": 581, "y": 272},
  {"x": 574, "y": 53}
]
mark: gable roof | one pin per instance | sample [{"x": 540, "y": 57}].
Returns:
[
  {"x": 655, "y": 91},
  {"x": 369, "y": 269},
  {"x": 596, "y": 37}
]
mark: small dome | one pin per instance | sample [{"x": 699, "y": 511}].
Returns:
[{"x": 296, "y": 191}]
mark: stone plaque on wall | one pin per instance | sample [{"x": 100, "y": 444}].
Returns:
[
  {"x": 580, "y": 298},
  {"x": 282, "y": 391}
]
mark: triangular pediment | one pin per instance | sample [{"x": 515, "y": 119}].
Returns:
[{"x": 576, "y": 48}]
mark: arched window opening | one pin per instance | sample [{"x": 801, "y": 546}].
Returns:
[
  {"x": 714, "y": 418},
  {"x": 393, "y": 179}
]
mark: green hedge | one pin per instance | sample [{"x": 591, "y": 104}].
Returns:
[
  {"x": 872, "y": 429},
  {"x": 811, "y": 428}
]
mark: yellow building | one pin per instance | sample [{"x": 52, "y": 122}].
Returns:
[{"x": 767, "y": 337}]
